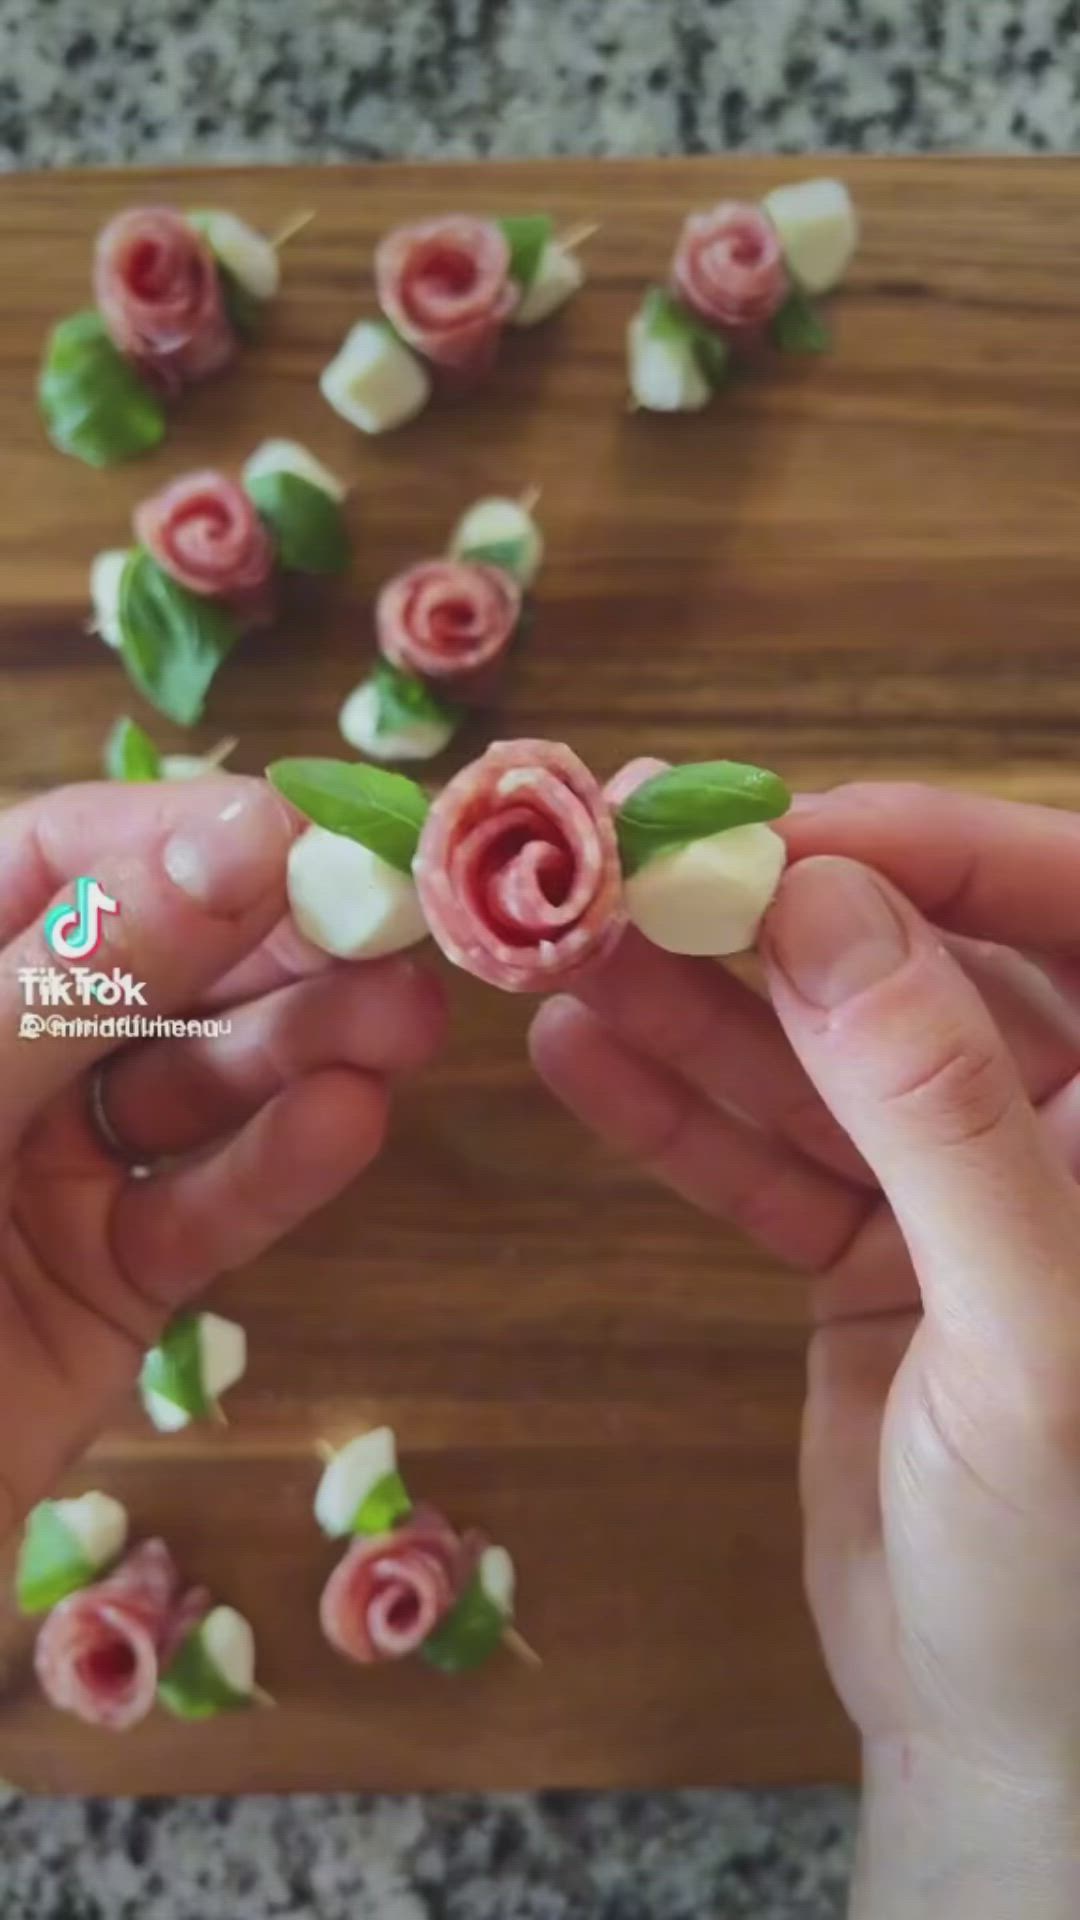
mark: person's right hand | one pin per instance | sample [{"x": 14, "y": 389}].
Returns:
[{"x": 907, "y": 1128}]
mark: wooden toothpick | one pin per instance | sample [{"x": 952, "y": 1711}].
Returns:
[
  {"x": 516, "y": 1643},
  {"x": 290, "y": 228},
  {"x": 578, "y": 236},
  {"x": 530, "y": 499},
  {"x": 262, "y": 1698},
  {"x": 219, "y": 754},
  {"x": 325, "y": 1451}
]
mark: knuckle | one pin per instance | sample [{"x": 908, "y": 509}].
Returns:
[{"x": 964, "y": 1095}]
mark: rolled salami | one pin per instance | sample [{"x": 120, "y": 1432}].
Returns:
[
  {"x": 204, "y": 531},
  {"x": 518, "y": 867},
  {"x": 630, "y": 778},
  {"x": 157, "y": 284},
  {"x": 729, "y": 267},
  {"x": 449, "y": 621},
  {"x": 100, "y": 1652},
  {"x": 392, "y": 1590},
  {"x": 445, "y": 286}
]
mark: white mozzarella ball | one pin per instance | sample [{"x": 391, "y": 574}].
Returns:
[
  {"x": 708, "y": 898},
  {"x": 348, "y": 901},
  {"x": 375, "y": 382},
  {"x": 288, "y": 456},
  {"x": 558, "y": 277},
  {"x": 359, "y": 724},
  {"x": 819, "y": 230}
]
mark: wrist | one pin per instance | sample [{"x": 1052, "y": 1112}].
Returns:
[{"x": 943, "y": 1839}]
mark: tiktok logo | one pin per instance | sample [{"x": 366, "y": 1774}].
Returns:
[{"x": 74, "y": 931}]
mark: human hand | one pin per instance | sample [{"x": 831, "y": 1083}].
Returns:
[
  {"x": 271, "y": 1120},
  {"x": 906, "y": 1126}
]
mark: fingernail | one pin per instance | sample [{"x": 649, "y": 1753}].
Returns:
[
  {"x": 234, "y": 856},
  {"x": 834, "y": 932}
]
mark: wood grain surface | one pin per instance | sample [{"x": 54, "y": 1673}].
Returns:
[{"x": 867, "y": 565}]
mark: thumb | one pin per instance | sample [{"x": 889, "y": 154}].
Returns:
[
  {"x": 193, "y": 895},
  {"x": 906, "y": 1055}
]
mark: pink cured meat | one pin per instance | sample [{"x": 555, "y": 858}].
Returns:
[
  {"x": 204, "y": 531},
  {"x": 391, "y": 1591},
  {"x": 450, "y": 621},
  {"x": 158, "y": 288},
  {"x": 630, "y": 778},
  {"x": 445, "y": 286},
  {"x": 518, "y": 868},
  {"x": 100, "y": 1651},
  {"x": 729, "y": 268}
]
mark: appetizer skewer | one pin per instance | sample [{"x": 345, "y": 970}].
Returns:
[
  {"x": 206, "y": 567},
  {"x": 524, "y": 870},
  {"x": 743, "y": 276},
  {"x": 199, "y": 1357},
  {"x": 175, "y": 293},
  {"x": 447, "y": 288}
]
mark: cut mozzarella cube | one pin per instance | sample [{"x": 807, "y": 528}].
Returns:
[
  {"x": 288, "y": 456},
  {"x": 222, "y": 1352},
  {"x": 229, "y": 1645},
  {"x": 558, "y": 277},
  {"x": 375, "y": 382},
  {"x": 348, "y": 901},
  {"x": 503, "y": 534},
  {"x": 708, "y": 898},
  {"x": 98, "y": 1524},
  {"x": 496, "y": 1571},
  {"x": 665, "y": 376},
  {"x": 166, "y": 1415},
  {"x": 244, "y": 252},
  {"x": 213, "y": 1669},
  {"x": 357, "y": 1470},
  {"x": 819, "y": 230},
  {"x": 420, "y": 740},
  {"x": 106, "y": 573}
]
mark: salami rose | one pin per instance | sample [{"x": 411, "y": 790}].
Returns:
[
  {"x": 204, "y": 530},
  {"x": 157, "y": 285},
  {"x": 630, "y": 778},
  {"x": 445, "y": 286},
  {"x": 729, "y": 267},
  {"x": 391, "y": 1591},
  {"x": 448, "y": 621},
  {"x": 101, "y": 1650},
  {"x": 518, "y": 868}
]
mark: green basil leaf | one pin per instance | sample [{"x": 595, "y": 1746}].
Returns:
[
  {"x": 244, "y": 308},
  {"x": 528, "y": 234},
  {"x": 665, "y": 318},
  {"x": 193, "y": 1688},
  {"x": 469, "y": 1635},
  {"x": 51, "y": 1562},
  {"x": 130, "y": 754},
  {"x": 173, "y": 1369},
  {"x": 307, "y": 524},
  {"x": 381, "y": 810},
  {"x": 403, "y": 700},
  {"x": 507, "y": 554},
  {"x": 691, "y": 803},
  {"x": 799, "y": 327},
  {"x": 386, "y": 1504},
  {"x": 172, "y": 641},
  {"x": 92, "y": 401}
]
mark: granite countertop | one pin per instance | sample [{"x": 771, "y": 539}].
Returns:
[{"x": 100, "y": 81}]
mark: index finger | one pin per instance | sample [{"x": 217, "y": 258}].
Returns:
[{"x": 993, "y": 869}]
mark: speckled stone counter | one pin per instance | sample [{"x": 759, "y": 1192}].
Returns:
[{"x": 99, "y": 81}]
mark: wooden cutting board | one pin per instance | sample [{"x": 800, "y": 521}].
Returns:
[{"x": 868, "y": 566}]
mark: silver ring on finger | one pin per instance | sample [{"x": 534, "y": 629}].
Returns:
[{"x": 105, "y": 1133}]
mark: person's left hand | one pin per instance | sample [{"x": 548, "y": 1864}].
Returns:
[{"x": 270, "y": 1121}]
